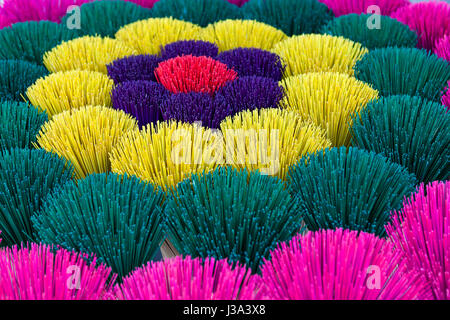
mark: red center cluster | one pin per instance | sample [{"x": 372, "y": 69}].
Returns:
[{"x": 193, "y": 74}]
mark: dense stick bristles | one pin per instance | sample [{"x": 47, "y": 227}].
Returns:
[
  {"x": 200, "y": 12},
  {"x": 372, "y": 33},
  {"x": 430, "y": 20},
  {"x": 27, "y": 177},
  {"x": 446, "y": 97},
  {"x": 231, "y": 34},
  {"x": 104, "y": 18},
  {"x": 421, "y": 230},
  {"x": 86, "y": 53},
  {"x": 215, "y": 131},
  {"x": 249, "y": 93},
  {"x": 342, "y": 7},
  {"x": 149, "y": 36},
  {"x": 190, "y": 279},
  {"x": 117, "y": 218},
  {"x": 232, "y": 214},
  {"x": 340, "y": 265},
  {"x": 30, "y": 40},
  {"x": 319, "y": 53},
  {"x": 16, "y": 76},
  {"x": 270, "y": 140},
  {"x": 85, "y": 136},
  {"x": 63, "y": 91},
  {"x": 145, "y": 3},
  {"x": 442, "y": 48},
  {"x": 411, "y": 131},
  {"x": 253, "y": 62},
  {"x": 196, "y": 107},
  {"x": 293, "y": 17},
  {"x": 41, "y": 272},
  {"x": 404, "y": 71},
  {"x": 330, "y": 100},
  {"x": 134, "y": 68},
  {"x": 195, "y": 48},
  {"x": 349, "y": 188},
  {"x": 193, "y": 74},
  {"x": 19, "y": 124},
  {"x": 238, "y": 3},
  {"x": 165, "y": 153},
  {"x": 33, "y": 10},
  {"x": 141, "y": 99}
]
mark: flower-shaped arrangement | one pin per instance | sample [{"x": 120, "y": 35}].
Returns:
[{"x": 224, "y": 149}]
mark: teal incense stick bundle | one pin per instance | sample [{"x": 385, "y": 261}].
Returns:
[
  {"x": 389, "y": 32},
  {"x": 349, "y": 188},
  {"x": 30, "y": 40},
  {"x": 410, "y": 71},
  {"x": 231, "y": 214},
  {"x": 118, "y": 218},
  {"x": 19, "y": 124},
  {"x": 27, "y": 177},
  {"x": 411, "y": 131}
]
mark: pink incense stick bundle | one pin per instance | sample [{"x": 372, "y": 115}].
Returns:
[
  {"x": 446, "y": 97},
  {"x": 41, "y": 272},
  {"x": 144, "y": 3},
  {"x": 430, "y": 20},
  {"x": 421, "y": 230},
  {"x": 339, "y": 265},
  {"x": 442, "y": 48},
  {"x": 35, "y": 10},
  {"x": 190, "y": 279},
  {"x": 342, "y": 7}
]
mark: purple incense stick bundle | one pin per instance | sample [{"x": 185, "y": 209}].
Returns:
[
  {"x": 340, "y": 265},
  {"x": 142, "y": 99},
  {"x": 253, "y": 62},
  {"x": 189, "y": 47},
  {"x": 133, "y": 68},
  {"x": 421, "y": 230},
  {"x": 196, "y": 107},
  {"x": 249, "y": 93},
  {"x": 38, "y": 272},
  {"x": 190, "y": 279}
]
